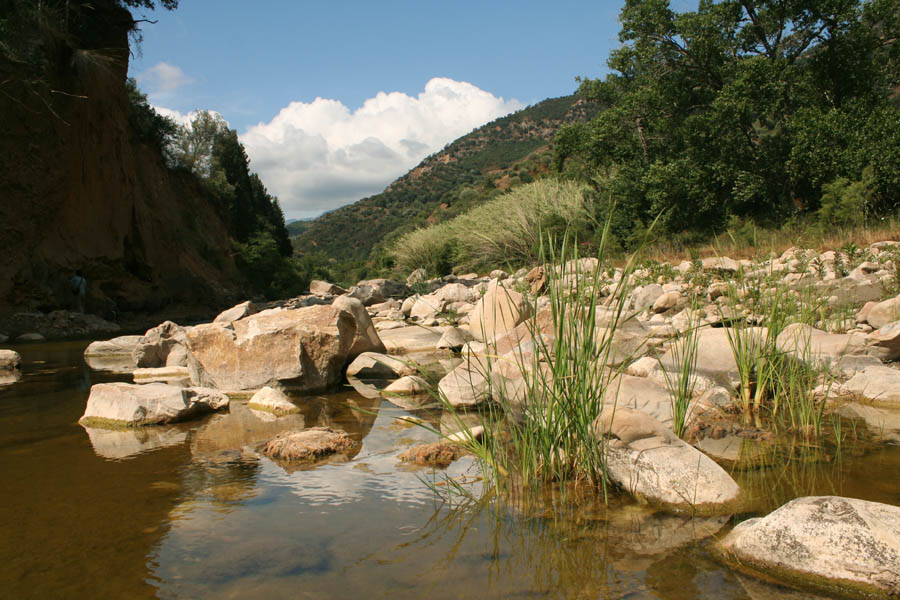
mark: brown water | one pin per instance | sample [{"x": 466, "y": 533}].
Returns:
[{"x": 192, "y": 511}]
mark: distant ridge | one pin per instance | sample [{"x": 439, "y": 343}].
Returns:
[{"x": 512, "y": 149}]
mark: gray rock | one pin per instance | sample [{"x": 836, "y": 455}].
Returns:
[
  {"x": 155, "y": 346},
  {"x": 648, "y": 461},
  {"x": 827, "y": 543},
  {"x": 644, "y": 297},
  {"x": 30, "y": 337},
  {"x": 113, "y": 405}
]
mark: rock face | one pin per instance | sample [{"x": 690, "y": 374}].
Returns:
[
  {"x": 498, "y": 311},
  {"x": 131, "y": 405},
  {"x": 828, "y": 543},
  {"x": 9, "y": 360},
  {"x": 162, "y": 346},
  {"x": 303, "y": 349},
  {"x": 310, "y": 445},
  {"x": 647, "y": 460}
]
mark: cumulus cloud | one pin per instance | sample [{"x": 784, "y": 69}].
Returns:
[
  {"x": 163, "y": 78},
  {"x": 320, "y": 155}
]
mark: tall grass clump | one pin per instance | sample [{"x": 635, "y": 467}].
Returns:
[
  {"x": 542, "y": 432},
  {"x": 681, "y": 384},
  {"x": 507, "y": 230}
]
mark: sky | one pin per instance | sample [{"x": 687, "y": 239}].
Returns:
[{"x": 335, "y": 100}]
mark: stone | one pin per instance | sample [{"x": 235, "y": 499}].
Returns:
[
  {"x": 823, "y": 348},
  {"x": 498, "y": 311},
  {"x": 715, "y": 358},
  {"x": 311, "y": 445},
  {"x": 408, "y": 385},
  {"x": 643, "y": 297},
  {"x": 879, "y": 384},
  {"x": 375, "y": 365},
  {"x": 648, "y": 461},
  {"x": 455, "y": 292},
  {"x": 123, "y": 345},
  {"x": 324, "y": 288},
  {"x": 454, "y": 338},
  {"x": 439, "y": 454},
  {"x": 407, "y": 304},
  {"x": 9, "y": 360},
  {"x": 666, "y": 302},
  {"x": 884, "y": 342},
  {"x": 238, "y": 311},
  {"x": 411, "y": 339},
  {"x": 374, "y": 291},
  {"x": 417, "y": 276},
  {"x": 720, "y": 263},
  {"x": 884, "y": 312},
  {"x": 155, "y": 346},
  {"x": 882, "y": 423},
  {"x": 179, "y": 376},
  {"x": 272, "y": 400},
  {"x": 464, "y": 386},
  {"x": 637, "y": 393},
  {"x": 427, "y": 307},
  {"x": 303, "y": 349},
  {"x": 826, "y": 543},
  {"x": 30, "y": 337},
  {"x": 112, "y": 405}
]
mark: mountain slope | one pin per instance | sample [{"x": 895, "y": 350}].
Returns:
[{"x": 511, "y": 149}]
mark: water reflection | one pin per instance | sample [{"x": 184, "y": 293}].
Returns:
[{"x": 118, "y": 444}]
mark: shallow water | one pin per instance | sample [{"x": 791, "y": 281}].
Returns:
[{"x": 193, "y": 511}]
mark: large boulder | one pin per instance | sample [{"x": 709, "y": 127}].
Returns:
[
  {"x": 304, "y": 349},
  {"x": 882, "y": 313},
  {"x": 497, "y": 312},
  {"x": 828, "y": 543},
  {"x": 647, "y": 460},
  {"x": 847, "y": 351},
  {"x": 162, "y": 346},
  {"x": 324, "y": 288},
  {"x": 123, "y": 345},
  {"x": 113, "y": 405}
]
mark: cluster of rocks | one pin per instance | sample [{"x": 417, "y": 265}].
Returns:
[{"x": 481, "y": 338}]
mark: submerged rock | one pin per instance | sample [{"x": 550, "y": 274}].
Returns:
[
  {"x": 113, "y": 405},
  {"x": 648, "y": 461},
  {"x": 827, "y": 543},
  {"x": 438, "y": 454},
  {"x": 273, "y": 401},
  {"x": 310, "y": 445}
]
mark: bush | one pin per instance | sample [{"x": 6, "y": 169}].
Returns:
[{"x": 845, "y": 202}]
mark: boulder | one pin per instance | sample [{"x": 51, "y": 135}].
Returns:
[
  {"x": 162, "y": 346},
  {"x": 272, "y": 400},
  {"x": 113, "y": 405},
  {"x": 427, "y": 307},
  {"x": 715, "y": 358},
  {"x": 884, "y": 342},
  {"x": 666, "y": 302},
  {"x": 30, "y": 337},
  {"x": 374, "y": 365},
  {"x": 410, "y": 339},
  {"x": 375, "y": 291},
  {"x": 644, "y": 296},
  {"x": 304, "y": 349},
  {"x": 498, "y": 311},
  {"x": 720, "y": 263},
  {"x": 454, "y": 338},
  {"x": 646, "y": 459},
  {"x": 9, "y": 360},
  {"x": 827, "y": 543},
  {"x": 324, "y": 288},
  {"x": 882, "y": 313},
  {"x": 238, "y": 311},
  {"x": 311, "y": 445},
  {"x": 465, "y": 386},
  {"x": 879, "y": 384},
  {"x": 123, "y": 345},
  {"x": 883, "y": 424},
  {"x": 841, "y": 350}
]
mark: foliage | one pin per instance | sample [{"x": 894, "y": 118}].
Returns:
[
  {"x": 742, "y": 108},
  {"x": 506, "y": 230},
  {"x": 150, "y": 126},
  {"x": 845, "y": 203}
]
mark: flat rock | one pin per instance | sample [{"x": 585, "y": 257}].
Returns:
[
  {"x": 828, "y": 543},
  {"x": 310, "y": 446},
  {"x": 123, "y": 345},
  {"x": 410, "y": 339},
  {"x": 375, "y": 365},
  {"x": 273, "y": 401},
  {"x": 174, "y": 375},
  {"x": 112, "y": 405},
  {"x": 648, "y": 461}
]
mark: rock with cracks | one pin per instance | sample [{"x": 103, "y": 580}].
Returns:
[
  {"x": 112, "y": 405},
  {"x": 828, "y": 543},
  {"x": 649, "y": 462}
]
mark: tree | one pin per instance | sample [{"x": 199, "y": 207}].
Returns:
[
  {"x": 734, "y": 109},
  {"x": 192, "y": 148}
]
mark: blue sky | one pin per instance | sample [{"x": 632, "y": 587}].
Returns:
[{"x": 395, "y": 81}]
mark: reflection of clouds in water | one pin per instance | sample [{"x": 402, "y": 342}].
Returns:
[{"x": 373, "y": 473}]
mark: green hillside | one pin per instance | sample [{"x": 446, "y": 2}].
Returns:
[{"x": 476, "y": 167}]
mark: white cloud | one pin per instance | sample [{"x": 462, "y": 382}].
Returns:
[
  {"x": 319, "y": 155},
  {"x": 163, "y": 78}
]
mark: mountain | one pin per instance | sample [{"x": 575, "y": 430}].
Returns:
[{"x": 512, "y": 149}]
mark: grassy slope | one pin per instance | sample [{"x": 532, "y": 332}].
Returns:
[{"x": 504, "y": 151}]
